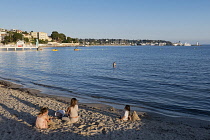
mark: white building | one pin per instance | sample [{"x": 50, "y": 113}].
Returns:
[
  {"x": 27, "y": 36},
  {"x": 16, "y": 30},
  {"x": 178, "y": 44},
  {"x": 20, "y": 43},
  {"x": 187, "y": 44},
  {"x": 40, "y": 35},
  {"x": 34, "y": 34},
  {"x": 2, "y": 30},
  {"x": 2, "y": 35}
]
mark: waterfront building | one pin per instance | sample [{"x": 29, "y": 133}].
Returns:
[
  {"x": 34, "y": 34},
  {"x": 15, "y": 30},
  {"x": 2, "y": 35},
  {"x": 178, "y": 44},
  {"x": 2, "y": 30},
  {"x": 27, "y": 36},
  {"x": 162, "y": 44},
  {"x": 40, "y": 36},
  {"x": 187, "y": 44}
]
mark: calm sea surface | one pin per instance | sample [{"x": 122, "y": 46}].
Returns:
[{"x": 169, "y": 80}]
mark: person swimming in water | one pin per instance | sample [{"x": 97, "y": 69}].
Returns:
[{"x": 114, "y": 64}]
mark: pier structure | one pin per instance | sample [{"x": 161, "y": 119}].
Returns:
[
  {"x": 18, "y": 48},
  {"x": 20, "y": 45}
]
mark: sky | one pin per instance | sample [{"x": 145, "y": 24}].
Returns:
[{"x": 171, "y": 20}]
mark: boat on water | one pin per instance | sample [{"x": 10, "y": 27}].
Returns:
[
  {"x": 54, "y": 50},
  {"x": 76, "y": 49}
]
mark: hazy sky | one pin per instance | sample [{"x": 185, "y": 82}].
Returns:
[{"x": 172, "y": 20}]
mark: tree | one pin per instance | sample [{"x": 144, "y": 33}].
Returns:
[
  {"x": 6, "y": 40},
  {"x": 41, "y": 41},
  {"x": 10, "y": 36},
  {"x": 75, "y": 40},
  {"x": 61, "y": 37},
  {"x": 17, "y": 36},
  {"x": 26, "y": 40},
  {"x": 68, "y": 40},
  {"x": 55, "y": 35},
  {"x": 25, "y": 32}
]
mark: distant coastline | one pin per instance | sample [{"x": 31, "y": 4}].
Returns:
[{"x": 57, "y": 39}]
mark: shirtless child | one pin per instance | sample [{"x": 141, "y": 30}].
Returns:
[{"x": 43, "y": 119}]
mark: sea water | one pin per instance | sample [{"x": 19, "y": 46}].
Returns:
[{"x": 168, "y": 80}]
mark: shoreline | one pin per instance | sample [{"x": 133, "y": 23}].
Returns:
[
  {"x": 93, "y": 103},
  {"x": 85, "y": 100},
  {"x": 19, "y": 107}
]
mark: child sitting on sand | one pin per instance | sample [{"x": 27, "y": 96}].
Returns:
[
  {"x": 126, "y": 114},
  {"x": 43, "y": 119},
  {"x": 72, "y": 112}
]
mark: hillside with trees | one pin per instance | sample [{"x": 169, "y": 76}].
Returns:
[
  {"x": 61, "y": 38},
  {"x": 13, "y": 36}
]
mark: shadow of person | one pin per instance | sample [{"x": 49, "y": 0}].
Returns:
[
  {"x": 24, "y": 116},
  {"x": 51, "y": 112}
]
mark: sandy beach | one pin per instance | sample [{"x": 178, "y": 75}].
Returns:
[{"x": 20, "y": 106}]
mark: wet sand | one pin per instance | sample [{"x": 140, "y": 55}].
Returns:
[{"x": 20, "y": 106}]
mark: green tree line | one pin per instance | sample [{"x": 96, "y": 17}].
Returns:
[
  {"x": 61, "y": 38},
  {"x": 12, "y": 37}
]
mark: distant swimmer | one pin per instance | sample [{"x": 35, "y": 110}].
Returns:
[{"x": 114, "y": 64}]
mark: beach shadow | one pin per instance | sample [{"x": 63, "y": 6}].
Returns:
[
  {"x": 11, "y": 129},
  {"x": 51, "y": 112},
  {"x": 24, "y": 102},
  {"x": 27, "y": 117}
]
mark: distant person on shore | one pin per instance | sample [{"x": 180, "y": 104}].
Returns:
[
  {"x": 43, "y": 119},
  {"x": 72, "y": 112},
  {"x": 126, "y": 116},
  {"x": 114, "y": 65}
]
